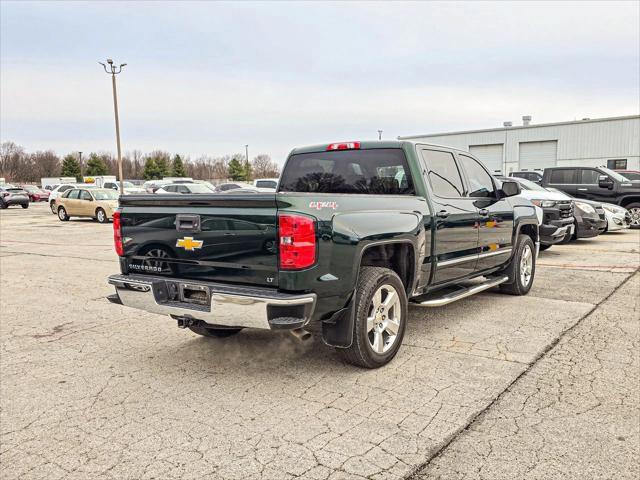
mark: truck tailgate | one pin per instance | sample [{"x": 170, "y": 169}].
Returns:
[{"x": 218, "y": 237}]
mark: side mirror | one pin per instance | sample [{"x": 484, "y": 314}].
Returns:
[
  {"x": 605, "y": 182},
  {"x": 510, "y": 188}
]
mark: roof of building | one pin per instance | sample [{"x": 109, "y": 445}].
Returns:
[{"x": 520, "y": 127}]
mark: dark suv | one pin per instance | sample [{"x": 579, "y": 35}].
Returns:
[{"x": 597, "y": 183}]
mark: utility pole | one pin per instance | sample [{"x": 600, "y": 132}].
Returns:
[
  {"x": 246, "y": 167},
  {"x": 379, "y": 134},
  {"x": 80, "y": 161},
  {"x": 113, "y": 71}
]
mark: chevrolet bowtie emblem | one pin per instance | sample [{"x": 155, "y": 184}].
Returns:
[{"x": 189, "y": 244}]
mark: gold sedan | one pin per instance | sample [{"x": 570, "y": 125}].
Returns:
[{"x": 98, "y": 203}]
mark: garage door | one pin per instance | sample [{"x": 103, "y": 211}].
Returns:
[
  {"x": 490, "y": 155},
  {"x": 538, "y": 154}
]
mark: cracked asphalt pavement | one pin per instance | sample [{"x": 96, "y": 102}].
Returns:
[{"x": 493, "y": 386}]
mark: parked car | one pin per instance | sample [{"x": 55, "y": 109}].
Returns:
[
  {"x": 531, "y": 175},
  {"x": 97, "y": 203},
  {"x": 266, "y": 183},
  {"x": 60, "y": 189},
  {"x": 355, "y": 231},
  {"x": 557, "y": 220},
  {"x": 10, "y": 195},
  {"x": 151, "y": 186},
  {"x": 129, "y": 188},
  {"x": 629, "y": 174},
  {"x": 184, "y": 188},
  {"x": 618, "y": 218},
  {"x": 598, "y": 184},
  {"x": 36, "y": 194},
  {"x": 223, "y": 187}
]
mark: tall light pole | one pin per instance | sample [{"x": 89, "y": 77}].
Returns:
[
  {"x": 379, "y": 134},
  {"x": 246, "y": 167},
  {"x": 113, "y": 71},
  {"x": 80, "y": 161}
]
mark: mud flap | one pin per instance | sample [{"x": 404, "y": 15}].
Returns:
[{"x": 338, "y": 330}]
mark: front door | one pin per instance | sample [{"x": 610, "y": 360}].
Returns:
[
  {"x": 86, "y": 204},
  {"x": 496, "y": 215},
  {"x": 71, "y": 202},
  {"x": 587, "y": 186},
  {"x": 456, "y": 218}
]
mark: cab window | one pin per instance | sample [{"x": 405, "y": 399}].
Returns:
[
  {"x": 480, "y": 183},
  {"x": 561, "y": 177},
  {"x": 443, "y": 173},
  {"x": 589, "y": 177}
]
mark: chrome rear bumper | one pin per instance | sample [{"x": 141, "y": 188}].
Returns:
[{"x": 226, "y": 305}]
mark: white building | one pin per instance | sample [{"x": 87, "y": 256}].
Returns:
[{"x": 612, "y": 142}]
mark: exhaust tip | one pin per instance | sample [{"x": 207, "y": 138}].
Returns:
[{"x": 301, "y": 334}]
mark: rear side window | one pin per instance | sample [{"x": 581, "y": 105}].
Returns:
[
  {"x": 266, "y": 184},
  {"x": 376, "y": 172},
  {"x": 561, "y": 176},
  {"x": 443, "y": 173}
]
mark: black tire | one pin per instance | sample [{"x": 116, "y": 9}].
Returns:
[
  {"x": 52, "y": 206},
  {"x": 62, "y": 214},
  {"x": 544, "y": 247},
  {"x": 634, "y": 209},
  {"x": 361, "y": 352},
  {"x": 214, "y": 332},
  {"x": 3, "y": 205},
  {"x": 520, "y": 286},
  {"x": 101, "y": 216},
  {"x": 25, "y": 205}
]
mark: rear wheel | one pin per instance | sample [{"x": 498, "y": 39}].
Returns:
[
  {"x": 634, "y": 210},
  {"x": 62, "y": 214},
  {"x": 523, "y": 267},
  {"x": 3, "y": 205},
  {"x": 52, "y": 205},
  {"x": 380, "y": 318},
  {"x": 214, "y": 332},
  {"x": 101, "y": 216},
  {"x": 25, "y": 205}
]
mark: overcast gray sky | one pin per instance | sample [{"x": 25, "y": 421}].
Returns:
[{"x": 207, "y": 78}]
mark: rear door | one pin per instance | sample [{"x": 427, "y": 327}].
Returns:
[
  {"x": 456, "y": 217},
  {"x": 495, "y": 215},
  {"x": 71, "y": 202}
]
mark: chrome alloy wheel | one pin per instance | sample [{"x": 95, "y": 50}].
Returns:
[
  {"x": 383, "y": 319},
  {"x": 635, "y": 216},
  {"x": 101, "y": 216},
  {"x": 526, "y": 265}
]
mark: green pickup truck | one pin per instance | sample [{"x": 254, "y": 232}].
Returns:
[{"x": 354, "y": 233}]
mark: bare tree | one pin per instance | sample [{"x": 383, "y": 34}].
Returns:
[
  {"x": 12, "y": 160},
  {"x": 263, "y": 167},
  {"x": 41, "y": 164}
]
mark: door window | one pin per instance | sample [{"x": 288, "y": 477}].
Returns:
[
  {"x": 480, "y": 183},
  {"x": 73, "y": 194},
  {"x": 443, "y": 173},
  {"x": 589, "y": 177},
  {"x": 84, "y": 195},
  {"x": 563, "y": 176}
]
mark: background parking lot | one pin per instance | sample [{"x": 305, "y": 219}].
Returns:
[{"x": 493, "y": 386}]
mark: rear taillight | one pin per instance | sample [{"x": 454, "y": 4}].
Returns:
[
  {"x": 117, "y": 234},
  {"x": 297, "y": 235},
  {"x": 343, "y": 146}
]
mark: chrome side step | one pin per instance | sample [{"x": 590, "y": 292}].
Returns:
[{"x": 464, "y": 293}]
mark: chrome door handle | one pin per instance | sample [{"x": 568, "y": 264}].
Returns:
[{"x": 442, "y": 214}]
